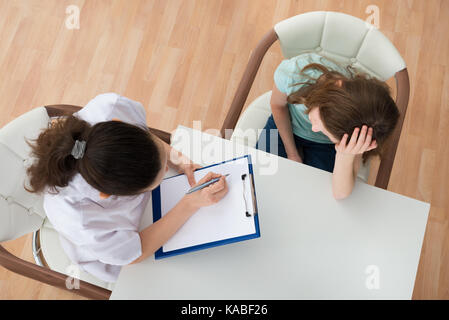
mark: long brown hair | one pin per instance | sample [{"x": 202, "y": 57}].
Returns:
[
  {"x": 119, "y": 158},
  {"x": 361, "y": 100}
]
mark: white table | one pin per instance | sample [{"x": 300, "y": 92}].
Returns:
[{"x": 311, "y": 246}]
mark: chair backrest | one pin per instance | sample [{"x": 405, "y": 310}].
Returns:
[
  {"x": 21, "y": 212},
  {"x": 343, "y": 38}
]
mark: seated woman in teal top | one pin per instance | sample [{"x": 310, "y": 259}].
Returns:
[{"x": 329, "y": 117}]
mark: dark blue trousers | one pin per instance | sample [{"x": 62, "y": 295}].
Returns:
[{"x": 318, "y": 155}]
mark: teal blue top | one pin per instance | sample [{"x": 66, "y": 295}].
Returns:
[{"x": 287, "y": 74}]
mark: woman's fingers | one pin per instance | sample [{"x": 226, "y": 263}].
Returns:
[
  {"x": 208, "y": 176},
  {"x": 353, "y": 140},
  {"x": 189, "y": 171},
  {"x": 372, "y": 146},
  {"x": 217, "y": 196},
  {"x": 217, "y": 186},
  {"x": 342, "y": 144},
  {"x": 368, "y": 139},
  {"x": 344, "y": 140},
  {"x": 361, "y": 139},
  {"x": 190, "y": 178}
]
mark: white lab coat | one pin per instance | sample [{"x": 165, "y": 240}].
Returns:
[{"x": 99, "y": 235}]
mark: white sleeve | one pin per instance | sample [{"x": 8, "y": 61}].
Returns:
[
  {"x": 99, "y": 108},
  {"x": 108, "y": 106},
  {"x": 129, "y": 111}
]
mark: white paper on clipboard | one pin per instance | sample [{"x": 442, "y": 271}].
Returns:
[{"x": 223, "y": 220}]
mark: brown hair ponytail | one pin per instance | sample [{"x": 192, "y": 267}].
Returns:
[
  {"x": 54, "y": 165},
  {"x": 119, "y": 158}
]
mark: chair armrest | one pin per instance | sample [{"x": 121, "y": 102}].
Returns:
[
  {"x": 48, "y": 276},
  {"x": 164, "y": 136},
  {"x": 402, "y": 97},
  {"x": 247, "y": 81},
  {"x": 58, "y": 110}
]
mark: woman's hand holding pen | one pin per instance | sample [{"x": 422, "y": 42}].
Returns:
[
  {"x": 201, "y": 198},
  {"x": 208, "y": 195},
  {"x": 158, "y": 233}
]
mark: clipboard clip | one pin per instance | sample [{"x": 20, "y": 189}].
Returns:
[{"x": 244, "y": 176}]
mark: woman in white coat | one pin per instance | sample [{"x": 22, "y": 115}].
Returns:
[{"x": 97, "y": 174}]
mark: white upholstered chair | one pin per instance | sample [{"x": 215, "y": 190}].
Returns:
[
  {"x": 345, "y": 39},
  {"x": 22, "y": 212}
]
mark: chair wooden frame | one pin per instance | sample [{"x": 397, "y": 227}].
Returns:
[
  {"x": 402, "y": 97},
  {"x": 44, "y": 274}
]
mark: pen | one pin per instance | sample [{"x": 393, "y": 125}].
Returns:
[{"x": 204, "y": 185}]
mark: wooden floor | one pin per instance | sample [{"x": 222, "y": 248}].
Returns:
[{"x": 183, "y": 60}]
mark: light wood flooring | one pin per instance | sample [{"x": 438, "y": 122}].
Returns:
[{"x": 183, "y": 59}]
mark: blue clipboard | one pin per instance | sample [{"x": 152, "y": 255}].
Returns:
[{"x": 156, "y": 201}]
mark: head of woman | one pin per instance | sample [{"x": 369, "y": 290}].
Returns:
[
  {"x": 337, "y": 105},
  {"x": 119, "y": 158}
]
